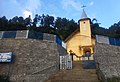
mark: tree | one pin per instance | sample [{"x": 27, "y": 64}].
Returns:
[
  {"x": 114, "y": 30},
  {"x": 21, "y": 20},
  {"x": 36, "y": 20},
  {"x": 96, "y": 29},
  {"x": 46, "y": 21},
  {"x": 65, "y": 27},
  {"x": 94, "y": 20},
  {"x": 28, "y": 21},
  {"x": 42, "y": 20},
  {"x": 3, "y": 21}
]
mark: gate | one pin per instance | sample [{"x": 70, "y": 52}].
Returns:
[
  {"x": 88, "y": 62},
  {"x": 66, "y": 62}
]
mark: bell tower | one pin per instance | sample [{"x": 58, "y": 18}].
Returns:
[{"x": 85, "y": 33}]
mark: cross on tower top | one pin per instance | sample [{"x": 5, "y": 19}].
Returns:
[
  {"x": 83, "y": 6},
  {"x": 83, "y": 16}
]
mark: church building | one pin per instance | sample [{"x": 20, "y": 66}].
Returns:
[{"x": 81, "y": 40}]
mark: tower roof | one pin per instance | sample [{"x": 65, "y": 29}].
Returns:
[{"x": 84, "y": 15}]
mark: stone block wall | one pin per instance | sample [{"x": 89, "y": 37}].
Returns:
[
  {"x": 107, "y": 40},
  {"x": 29, "y": 34},
  {"x": 108, "y": 60},
  {"x": 102, "y": 39},
  {"x": 33, "y": 60}
]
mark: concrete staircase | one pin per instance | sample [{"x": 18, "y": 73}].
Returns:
[{"x": 77, "y": 74}]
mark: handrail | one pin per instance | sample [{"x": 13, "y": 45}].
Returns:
[
  {"x": 77, "y": 56},
  {"x": 43, "y": 69}
]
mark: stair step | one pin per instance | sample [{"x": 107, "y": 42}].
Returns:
[
  {"x": 77, "y": 74},
  {"x": 80, "y": 80}
]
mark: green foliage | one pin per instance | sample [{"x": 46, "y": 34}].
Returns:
[
  {"x": 41, "y": 23},
  {"x": 65, "y": 27},
  {"x": 96, "y": 30},
  {"x": 113, "y": 31},
  {"x": 60, "y": 26}
]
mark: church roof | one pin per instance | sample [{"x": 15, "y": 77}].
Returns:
[
  {"x": 72, "y": 34},
  {"x": 84, "y": 15}
]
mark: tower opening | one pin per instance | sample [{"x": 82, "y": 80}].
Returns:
[{"x": 87, "y": 51}]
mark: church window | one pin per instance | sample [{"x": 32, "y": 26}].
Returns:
[{"x": 84, "y": 26}]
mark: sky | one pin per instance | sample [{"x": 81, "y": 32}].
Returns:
[{"x": 107, "y": 12}]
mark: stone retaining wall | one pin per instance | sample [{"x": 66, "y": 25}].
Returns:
[
  {"x": 33, "y": 60},
  {"x": 108, "y": 60}
]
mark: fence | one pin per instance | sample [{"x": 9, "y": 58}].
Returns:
[
  {"x": 88, "y": 62},
  {"x": 108, "y": 40},
  {"x": 114, "y": 41},
  {"x": 66, "y": 62}
]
